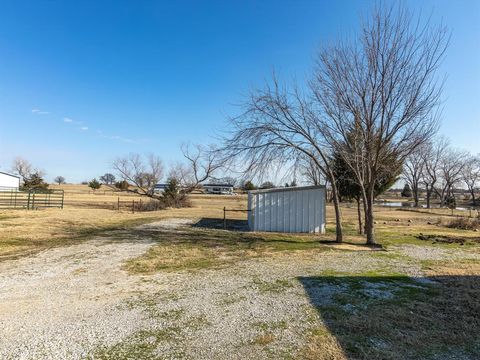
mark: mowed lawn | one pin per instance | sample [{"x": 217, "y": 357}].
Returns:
[{"x": 205, "y": 292}]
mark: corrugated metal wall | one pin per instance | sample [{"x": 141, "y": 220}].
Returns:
[{"x": 291, "y": 210}]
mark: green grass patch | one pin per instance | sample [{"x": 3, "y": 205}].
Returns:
[{"x": 276, "y": 286}]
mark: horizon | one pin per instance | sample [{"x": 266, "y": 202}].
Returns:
[{"x": 83, "y": 84}]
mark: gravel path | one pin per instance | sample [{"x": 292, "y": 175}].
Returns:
[{"x": 76, "y": 302}]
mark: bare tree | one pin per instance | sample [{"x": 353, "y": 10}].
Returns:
[
  {"x": 230, "y": 180},
  {"x": 450, "y": 170},
  {"x": 451, "y": 166},
  {"x": 278, "y": 127},
  {"x": 201, "y": 163},
  {"x": 60, "y": 180},
  {"x": 471, "y": 175},
  {"x": 25, "y": 169},
  {"x": 310, "y": 172},
  {"x": 107, "y": 179},
  {"x": 181, "y": 173},
  {"x": 432, "y": 157},
  {"x": 141, "y": 171},
  {"x": 380, "y": 95},
  {"x": 413, "y": 171}
]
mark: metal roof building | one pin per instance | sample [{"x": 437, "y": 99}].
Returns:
[
  {"x": 290, "y": 210},
  {"x": 9, "y": 181}
]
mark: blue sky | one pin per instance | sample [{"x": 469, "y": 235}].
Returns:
[{"x": 84, "y": 81}]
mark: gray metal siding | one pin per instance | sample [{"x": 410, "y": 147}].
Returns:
[{"x": 291, "y": 210}]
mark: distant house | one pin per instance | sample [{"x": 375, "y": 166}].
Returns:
[
  {"x": 226, "y": 189},
  {"x": 159, "y": 188},
  {"x": 9, "y": 182}
]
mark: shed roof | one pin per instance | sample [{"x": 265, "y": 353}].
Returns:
[
  {"x": 217, "y": 185},
  {"x": 4, "y": 173},
  {"x": 292, "y": 188}
]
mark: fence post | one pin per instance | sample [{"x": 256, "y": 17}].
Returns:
[
  {"x": 133, "y": 206},
  {"x": 63, "y": 197},
  {"x": 33, "y": 200},
  {"x": 224, "y": 218},
  {"x": 28, "y": 200},
  {"x": 118, "y": 203}
]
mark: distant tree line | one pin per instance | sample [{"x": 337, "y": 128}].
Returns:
[{"x": 437, "y": 169}]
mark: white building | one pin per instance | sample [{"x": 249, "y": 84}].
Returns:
[
  {"x": 289, "y": 210},
  {"x": 226, "y": 189},
  {"x": 9, "y": 182}
]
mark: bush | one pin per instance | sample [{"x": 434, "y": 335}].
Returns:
[
  {"x": 94, "y": 184},
  {"x": 35, "y": 182},
  {"x": 249, "y": 186},
  {"x": 122, "y": 185},
  {"x": 267, "y": 185},
  {"x": 464, "y": 223},
  {"x": 150, "y": 205},
  {"x": 173, "y": 197},
  {"x": 406, "y": 192},
  {"x": 451, "y": 202}
]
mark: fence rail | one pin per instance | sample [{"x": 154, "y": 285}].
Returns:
[
  {"x": 225, "y": 210},
  {"x": 30, "y": 200}
]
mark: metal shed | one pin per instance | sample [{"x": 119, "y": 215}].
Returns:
[
  {"x": 9, "y": 182},
  {"x": 290, "y": 210}
]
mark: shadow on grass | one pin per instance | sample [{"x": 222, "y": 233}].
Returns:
[
  {"x": 397, "y": 317},
  {"x": 215, "y": 223},
  {"x": 202, "y": 245},
  {"x": 206, "y": 233}
]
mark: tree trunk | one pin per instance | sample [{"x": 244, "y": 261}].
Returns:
[
  {"x": 472, "y": 191},
  {"x": 415, "y": 195},
  {"x": 429, "y": 195},
  {"x": 369, "y": 219},
  {"x": 359, "y": 213},
  {"x": 338, "y": 214}
]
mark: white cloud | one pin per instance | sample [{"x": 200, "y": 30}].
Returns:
[
  {"x": 67, "y": 120},
  {"x": 84, "y": 128},
  {"x": 117, "y": 138},
  {"x": 39, "y": 112}
]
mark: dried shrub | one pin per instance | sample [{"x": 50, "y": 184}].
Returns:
[
  {"x": 150, "y": 205},
  {"x": 464, "y": 223},
  {"x": 178, "y": 201}
]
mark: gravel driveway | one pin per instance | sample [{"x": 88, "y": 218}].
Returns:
[{"x": 76, "y": 302}]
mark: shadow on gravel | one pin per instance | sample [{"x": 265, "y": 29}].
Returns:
[{"x": 397, "y": 317}]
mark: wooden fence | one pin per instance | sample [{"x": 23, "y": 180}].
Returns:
[{"x": 30, "y": 200}]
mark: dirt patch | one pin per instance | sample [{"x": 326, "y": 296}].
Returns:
[
  {"x": 354, "y": 247},
  {"x": 448, "y": 239},
  {"x": 172, "y": 223}
]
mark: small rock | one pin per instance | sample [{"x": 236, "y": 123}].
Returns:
[
  {"x": 384, "y": 223},
  {"x": 397, "y": 220},
  {"x": 475, "y": 230},
  {"x": 409, "y": 220}
]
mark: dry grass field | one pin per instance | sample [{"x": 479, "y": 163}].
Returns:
[{"x": 92, "y": 282}]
